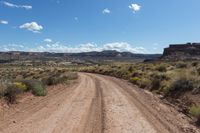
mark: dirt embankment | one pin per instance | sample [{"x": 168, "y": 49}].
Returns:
[{"x": 95, "y": 104}]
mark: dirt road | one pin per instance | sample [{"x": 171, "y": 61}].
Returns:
[{"x": 96, "y": 104}]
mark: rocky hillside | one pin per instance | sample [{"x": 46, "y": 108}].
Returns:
[{"x": 182, "y": 52}]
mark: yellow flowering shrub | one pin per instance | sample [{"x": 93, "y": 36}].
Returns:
[{"x": 20, "y": 85}]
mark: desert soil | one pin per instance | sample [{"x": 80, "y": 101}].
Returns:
[{"x": 95, "y": 104}]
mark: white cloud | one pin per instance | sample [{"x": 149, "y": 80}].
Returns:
[
  {"x": 3, "y": 22},
  {"x": 33, "y": 26},
  {"x": 123, "y": 47},
  {"x": 63, "y": 48},
  {"x": 48, "y": 40},
  {"x": 106, "y": 11},
  {"x": 27, "y": 7},
  {"x": 135, "y": 7},
  {"x": 88, "y": 47}
]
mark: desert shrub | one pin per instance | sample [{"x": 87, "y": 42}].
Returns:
[
  {"x": 161, "y": 68},
  {"x": 165, "y": 90},
  {"x": 135, "y": 80},
  {"x": 144, "y": 83},
  {"x": 39, "y": 90},
  {"x": 50, "y": 80},
  {"x": 157, "y": 79},
  {"x": 181, "y": 85},
  {"x": 20, "y": 86},
  {"x": 57, "y": 79},
  {"x": 11, "y": 93},
  {"x": 36, "y": 87},
  {"x": 155, "y": 83},
  {"x": 181, "y": 65},
  {"x": 195, "y": 111}
]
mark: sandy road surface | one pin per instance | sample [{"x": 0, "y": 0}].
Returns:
[{"x": 96, "y": 104}]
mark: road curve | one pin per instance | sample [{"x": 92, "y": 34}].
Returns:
[{"x": 96, "y": 104}]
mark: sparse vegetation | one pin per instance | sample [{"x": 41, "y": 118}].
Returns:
[
  {"x": 36, "y": 87},
  {"x": 181, "y": 64},
  {"x": 15, "y": 81},
  {"x": 161, "y": 68},
  {"x": 195, "y": 111},
  {"x": 181, "y": 85},
  {"x": 173, "y": 80},
  {"x": 11, "y": 93}
]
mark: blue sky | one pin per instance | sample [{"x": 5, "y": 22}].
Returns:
[{"x": 140, "y": 26}]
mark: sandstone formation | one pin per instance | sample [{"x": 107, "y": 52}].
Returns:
[{"x": 182, "y": 51}]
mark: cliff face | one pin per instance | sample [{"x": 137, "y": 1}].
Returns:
[{"x": 182, "y": 51}]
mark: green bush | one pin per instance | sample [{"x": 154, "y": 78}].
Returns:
[
  {"x": 50, "y": 81},
  {"x": 36, "y": 87},
  {"x": 181, "y": 85},
  {"x": 39, "y": 90},
  {"x": 144, "y": 83},
  {"x": 58, "y": 79},
  {"x": 195, "y": 111}
]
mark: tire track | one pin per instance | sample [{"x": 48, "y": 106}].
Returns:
[{"x": 97, "y": 104}]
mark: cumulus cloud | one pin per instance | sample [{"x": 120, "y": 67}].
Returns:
[
  {"x": 106, "y": 11},
  {"x": 135, "y": 7},
  {"x": 33, "y": 26},
  {"x": 3, "y": 22},
  {"x": 27, "y": 7},
  {"x": 123, "y": 47},
  {"x": 48, "y": 40},
  {"x": 88, "y": 47},
  {"x": 64, "y": 48}
]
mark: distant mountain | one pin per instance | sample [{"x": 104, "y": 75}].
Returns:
[
  {"x": 94, "y": 56},
  {"x": 114, "y": 54}
]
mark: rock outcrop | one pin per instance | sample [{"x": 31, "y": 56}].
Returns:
[{"x": 182, "y": 51}]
